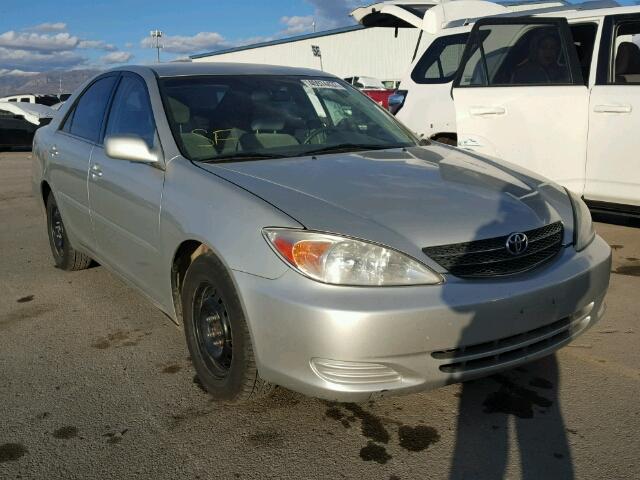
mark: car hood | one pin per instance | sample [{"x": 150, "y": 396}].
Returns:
[{"x": 405, "y": 198}]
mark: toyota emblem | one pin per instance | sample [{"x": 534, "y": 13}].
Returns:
[{"x": 517, "y": 243}]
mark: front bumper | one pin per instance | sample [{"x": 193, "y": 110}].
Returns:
[{"x": 352, "y": 343}]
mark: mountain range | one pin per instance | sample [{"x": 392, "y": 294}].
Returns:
[{"x": 46, "y": 82}]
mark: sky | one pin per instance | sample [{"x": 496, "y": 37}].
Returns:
[{"x": 42, "y": 35}]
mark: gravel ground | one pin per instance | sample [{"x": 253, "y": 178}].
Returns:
[{"x": 96, "y": 383}]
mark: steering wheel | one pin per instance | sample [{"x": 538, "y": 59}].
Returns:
[
  {"x": 315, "y": 132},
  {"x": 200, "y": 131}
]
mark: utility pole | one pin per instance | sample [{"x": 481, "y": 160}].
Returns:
[{"x": 157, "y": 35}]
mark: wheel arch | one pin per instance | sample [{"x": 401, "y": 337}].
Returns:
[
  {"x": 184, "y": 255},
  {"x": 449, "y": 138},
  {"x": 45, "y": 190}
]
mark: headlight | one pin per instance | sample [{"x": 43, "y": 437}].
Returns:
[
  {"x": 583, "y": 232},
  {"x": 340, "y": 260}
]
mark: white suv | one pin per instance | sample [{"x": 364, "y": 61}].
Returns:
[{"x": 570, "y": 119}]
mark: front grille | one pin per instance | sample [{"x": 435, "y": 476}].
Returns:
[
  {"x": 516, "y": 347},
  {"x": 490, "y": 257}
]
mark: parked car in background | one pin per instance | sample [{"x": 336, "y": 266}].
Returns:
[
  {"x": 304, "y": 238},
  {"x": 19, "y": 122},
  {"x": 423, "y": 99},
  {"x": 373, "y": 88},
  {"x": 40, "y": 99},
  {"x": 585, "y": 116}
]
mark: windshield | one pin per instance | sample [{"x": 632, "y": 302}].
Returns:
[{"x": 216, "y": 118}]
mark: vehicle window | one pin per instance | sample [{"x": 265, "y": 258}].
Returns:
[
  {"x": 214, "y": 117},
  {"x": 86, "y": 119},
  {"x": 131, "y": 112},
  {"x": 518, "y": 54},
  {"x": 441, "y": 60},
  {"x": 626, "y": 62},
  {"x": 24, "y": 100},
  {"x": 584, "y": 39}
]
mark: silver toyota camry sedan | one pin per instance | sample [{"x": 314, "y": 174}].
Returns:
[{"x": 303, "y": 237}]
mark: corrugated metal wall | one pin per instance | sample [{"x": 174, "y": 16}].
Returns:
[{"x": 374, "y": 52}]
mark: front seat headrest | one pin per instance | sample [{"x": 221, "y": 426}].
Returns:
[
  {"x": 181, "y": 113},
  {"x": 267, "y": 124},
  {"x": 260, "y": 96},
  {"x": 628, "y": 59}
]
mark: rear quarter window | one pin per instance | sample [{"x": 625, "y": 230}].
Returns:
[{"x": 441, "y": 60}]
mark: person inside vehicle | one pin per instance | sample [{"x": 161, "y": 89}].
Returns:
[{"x": 542, "y": 66}]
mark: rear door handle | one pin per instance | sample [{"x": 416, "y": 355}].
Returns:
[
  {"x": 96, "y": 172},
  {"x": 481, "y": 111},
  {"x": 612, "y": 109}
]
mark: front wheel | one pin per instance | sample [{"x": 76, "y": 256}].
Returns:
[
  {"x": 217, "y": 333},
  {"x": 64, "y": 255}
]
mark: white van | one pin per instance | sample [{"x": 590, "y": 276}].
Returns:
[{"x": 572, "y": 122}]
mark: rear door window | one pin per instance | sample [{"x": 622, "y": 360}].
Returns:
[
  {"x": 441, "y": 60},
  {"x": 517, "y": 52},
  {"x": 85, "y": 121},
  {"x": 626, "y": 61}
]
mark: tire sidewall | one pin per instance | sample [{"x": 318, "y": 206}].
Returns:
[
  {"x": 207, "y": 268},
  {"x": 60, "y": 260}
]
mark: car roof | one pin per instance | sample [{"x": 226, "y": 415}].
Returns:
[
  {"x": 177, "y": 69},
  {"x": 589, "y": 9}
]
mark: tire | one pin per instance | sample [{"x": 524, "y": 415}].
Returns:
[
  {"x": 64, "y": 255},
  {"x": 217, "y": 333}
]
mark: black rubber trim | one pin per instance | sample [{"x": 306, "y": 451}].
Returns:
[{"x": 616, "y": 208}]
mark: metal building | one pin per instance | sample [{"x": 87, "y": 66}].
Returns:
[{"x": 383, "y": 53}]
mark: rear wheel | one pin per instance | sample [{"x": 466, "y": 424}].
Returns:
[
  {"x": 217, "y": 333},
  {"x": 64, "y": 255}
]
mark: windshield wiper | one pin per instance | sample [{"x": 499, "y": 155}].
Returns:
[
  {"x": 350, "y": 147},
  {"x": 242, "y": 156}
]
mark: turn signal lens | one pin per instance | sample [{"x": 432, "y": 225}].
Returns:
[{"x": 340, "y": 260}]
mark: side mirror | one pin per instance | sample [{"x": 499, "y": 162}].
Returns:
[{"x": 129, "y": 147}]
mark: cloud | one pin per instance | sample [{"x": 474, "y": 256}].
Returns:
[
  {"x": 116, "y": 57},
  {"x": 38, "y": 42},
  {"x": 28, "y": 59},
  {"x": 188, "y": 44},
  {"x": 333, "y": 13},
  {"x": 297, "y": 25},
  {"x": 48, "y": 27},
  {"x": 327, "y": 14},
  {"x": 97, "y": 45},
  {"x": 40, "y": 48}
]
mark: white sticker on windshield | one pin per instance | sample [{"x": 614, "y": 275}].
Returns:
[{"x": 330, "y": 84}]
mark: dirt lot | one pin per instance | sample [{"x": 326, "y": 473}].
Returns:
[{"x": 96, "y": 383}]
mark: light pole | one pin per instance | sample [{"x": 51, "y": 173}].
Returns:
[{"x": 157, "y": 35}]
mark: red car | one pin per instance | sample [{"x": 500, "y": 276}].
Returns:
[{"x": 373, "y": 88}]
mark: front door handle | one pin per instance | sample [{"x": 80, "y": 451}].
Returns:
[
  {"x": 481, "y": 111},
  {"x": 96, "y": 172},
  {"x": 612, "y": 109}
]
